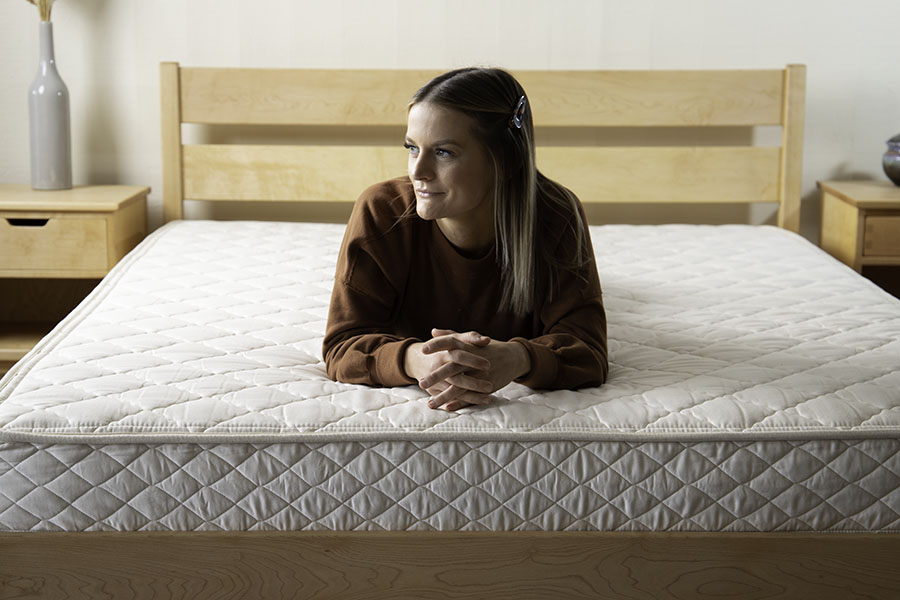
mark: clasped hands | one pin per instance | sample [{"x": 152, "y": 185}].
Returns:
[{"x": 460, "y": 369}]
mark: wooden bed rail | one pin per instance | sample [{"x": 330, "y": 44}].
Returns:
[
  {"x": 473, "y": 565},
  {"x": 573, "y": 100}
]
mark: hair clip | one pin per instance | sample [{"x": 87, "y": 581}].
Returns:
[{"x": 518, "y": 116}]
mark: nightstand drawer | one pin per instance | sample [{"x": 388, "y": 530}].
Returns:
[
  {"x": 882, "y": 237},
  {"x": 34, "y": 242}
]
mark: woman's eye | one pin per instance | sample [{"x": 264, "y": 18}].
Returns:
[{"x": 439, "y": 152}]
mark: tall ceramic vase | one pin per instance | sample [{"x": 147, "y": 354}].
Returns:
[{"x": 48, "y": 115}]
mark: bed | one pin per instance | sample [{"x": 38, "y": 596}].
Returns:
[{"x": 176, "y": 435}]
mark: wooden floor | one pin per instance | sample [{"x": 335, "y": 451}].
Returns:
[{"x": 360, "y": 565}]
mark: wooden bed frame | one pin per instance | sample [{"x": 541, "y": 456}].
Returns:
[{"x": 571, "y": 108}]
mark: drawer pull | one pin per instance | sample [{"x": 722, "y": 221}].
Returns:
[{"x": 27, "y": 222}]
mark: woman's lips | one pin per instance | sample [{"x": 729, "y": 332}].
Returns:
[{"x": 428, "y": 193}]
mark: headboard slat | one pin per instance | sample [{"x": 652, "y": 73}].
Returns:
[
  {"x": 654, "y": 98},
  {"x": 703, "y": 175},
  {"x": 561, "y": 98},
  {"x": 298, "y": 96},
  {"x": 287, "y": 173},
  {"x": 340, "y": 173}
]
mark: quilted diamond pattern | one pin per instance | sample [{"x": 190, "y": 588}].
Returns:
[{"x": 811, "y": 485}]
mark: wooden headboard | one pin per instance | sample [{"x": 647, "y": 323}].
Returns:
[{"x": 574, "y": 101}]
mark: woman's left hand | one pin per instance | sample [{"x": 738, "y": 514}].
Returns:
[{"x": 452, "y": 389}]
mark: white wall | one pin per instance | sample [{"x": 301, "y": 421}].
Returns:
[{"x": 108, "y": 53}]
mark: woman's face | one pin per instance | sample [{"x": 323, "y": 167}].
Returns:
[{"x": 449, "y": 168}]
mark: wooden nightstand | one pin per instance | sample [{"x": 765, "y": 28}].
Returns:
[
  {"x": 49, "y": 236},
  {"x": 861, "y": 222}
]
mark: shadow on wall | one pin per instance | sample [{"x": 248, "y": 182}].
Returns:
[
  {"x": 311, "y": 212},
  {"x": 843, "y": 173}
]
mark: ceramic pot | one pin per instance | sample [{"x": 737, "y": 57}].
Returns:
[
  {"x": 891, "y": 160},
  {"x": 48, "y": 116}
]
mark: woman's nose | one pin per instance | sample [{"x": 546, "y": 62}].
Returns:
[{"x": 419, "y": 168}]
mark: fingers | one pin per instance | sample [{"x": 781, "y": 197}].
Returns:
[
  {"x": 468, "y": 399},
  {"x": 443, "y": 392},
  {"x": 456, "y": 352},
  {"x": 446, "y": 343},
  {"x": 438, "y": 388},
  {"x": 454, "y": 398},
  {"x": 472, "y": 382},
  {"x": 470, "y": 337},
  {"x": 455, "y": 405},
  {"x": 456, "y": 370},
  {"x": 452, "y": 392}
]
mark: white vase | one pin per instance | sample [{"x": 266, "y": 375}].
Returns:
[{"x": 48, "y": 116}]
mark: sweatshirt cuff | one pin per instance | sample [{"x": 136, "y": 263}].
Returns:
[
  {"x": 388, "y": 363},
  {"x": 544, "y": 365}
]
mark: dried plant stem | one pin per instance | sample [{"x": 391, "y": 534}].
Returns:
[{"x": 44, "y": 7}]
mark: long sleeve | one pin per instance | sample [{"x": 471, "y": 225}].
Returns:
[
  {"x": 369, "y": 278},
  {"x": 356, "y": 348},
  {"x": 572, "y": 354}
]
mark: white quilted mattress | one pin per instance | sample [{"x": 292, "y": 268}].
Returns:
[{"x": 754, "y": 386}]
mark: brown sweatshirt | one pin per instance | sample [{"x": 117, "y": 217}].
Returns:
[{"x": 398, "y": 277}]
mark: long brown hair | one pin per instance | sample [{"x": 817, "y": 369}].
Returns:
[{"x": 499, "y": 107}]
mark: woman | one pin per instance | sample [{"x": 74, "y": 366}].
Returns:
[{"x": 473, "y": 271}]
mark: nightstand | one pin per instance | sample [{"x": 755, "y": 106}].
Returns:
[
  {"x": 50, "y": 237},
  {"x": 861, "y": 222}
]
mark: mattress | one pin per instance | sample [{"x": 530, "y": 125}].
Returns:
[{"x": 754, "y": 386}]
